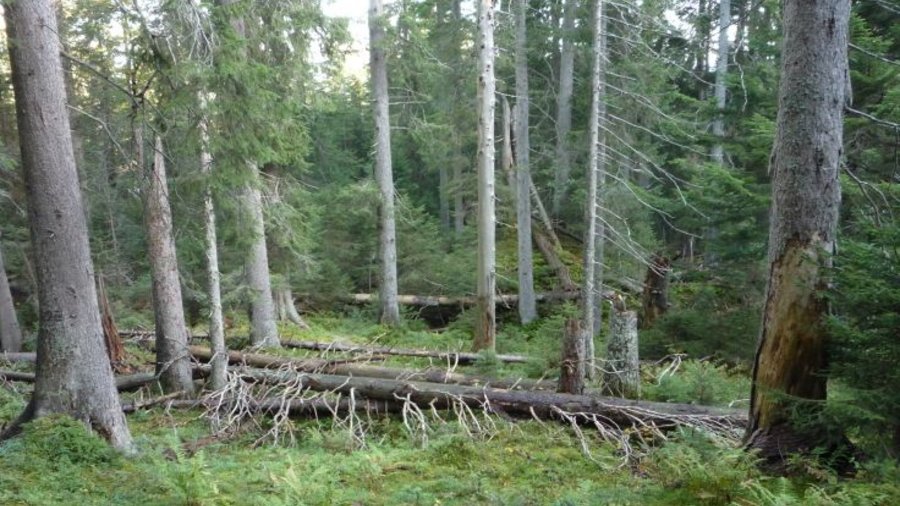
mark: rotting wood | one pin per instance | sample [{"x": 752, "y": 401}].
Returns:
[{"x": 452, "y": 357}]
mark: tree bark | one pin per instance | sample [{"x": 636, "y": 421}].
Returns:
[
  {"x": 621, "y": 369},
  {"x": 285, "y": 308},
  {"x": 564, "y": 106},
  {"x": 790, "y": 367},
  {"x": 718, "y": 126},
  {"x": 527, "y": 305},
  {"x": 10, "y": 333},
  {"x": 485, "y": 323},
  {"x": 549, "y": 252},
  {"x": 73, "y": 375},
  {"x": 173, "y": 363},
  {"x": 390, "y": 310},
  {"x": 219, "y": 363},
  {"x": 572, "y": 373}
]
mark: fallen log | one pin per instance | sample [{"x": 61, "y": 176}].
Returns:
[
  {"x": 465, "y": 301},
  {"x": 18, "y": 357},
  {"x": 123, "y": 383},
  {"x": 452, "y": 357},
  {"x": 27, "y": 377},
  {"x": 548, "y": 251},
  {"x": 432, "y": 375},
  {"x": 527, "y": 404}
]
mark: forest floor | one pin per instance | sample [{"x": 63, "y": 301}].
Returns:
[{"x": 181, "y": 461}]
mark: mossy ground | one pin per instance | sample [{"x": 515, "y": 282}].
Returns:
[{"x": 57, "y": 462}]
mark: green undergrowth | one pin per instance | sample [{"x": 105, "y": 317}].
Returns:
[{"x": 56, "y": 461}]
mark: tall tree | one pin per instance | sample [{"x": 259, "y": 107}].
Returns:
[
  {"x": 791, "y": 357},
  {"x": 564, "y": 105},
  {"x": 390, "y": 310},
  {"x": 263, "y": 330},
  {"x": 718, "y": 126},
  {"x": 219, "y": 362},
  {"x": 73, "y": 374},
  {"x": 10, "y": 333},
  {"x": 527, "y": 305},
  {"x": 592, "y": 226},
  {"x": 486, "y": 324},
  {"x": 173, "y": 361}
]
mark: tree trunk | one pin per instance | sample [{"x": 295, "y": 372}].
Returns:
[
  {"x": 718, "y": 126},
  {"x": 572, "y": 373},
  {"x": 790, "y": 366},
  {"x": 655, "y": 298},
  {"x": 506, "y": 160},
  {"x": 621, "y": 369},
  {"x": 263, "y": 331},
  {"x": 115, "y": 349},
  {"x": 173, "y": 363},
  {"x": 390, "y": 310},
  {"x": 527, "y": 305},
  {"x": 564, "y": 106},
  {"x": 219, "y": 363},
  {"x": 459, "y": 205},
  {"x": 485, "y": 322},
  {"x": 73, "y": 375},
  {"x": 285, "y": 308},
  {"x": 10, "y": 333},
  {"x": 551, "y": 256}
]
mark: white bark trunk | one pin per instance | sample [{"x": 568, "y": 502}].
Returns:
[
  {"x": 527, "y": 305},
  {"x": 564, "y": 106},
  {"x": 172, "y": 358},
  {"x": 73, "y": 374},
  {"x": 718, "y": 127},
  {"x": 390, "y": 310},
  {"x": 485, "y": 328},
  {"x": 600, "y": 235},
  {"x": 263, "y": 331},
  {"x": 219, "y": 362},
  {"x": 589, "y": 301},
  {"x": 10, "y": 333}
]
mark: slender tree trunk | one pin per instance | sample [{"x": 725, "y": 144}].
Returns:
[
  {"x": 564, "y": 106},
  {"x": 173, "y": 362},
  {"x": 506, "y": 160},
  {"x": 655, "y": 297},
  {"x": 10, "y": 333},
  {"x": 219, "y": 363},
  {"x": 459, "y": 205},
  {"x": 718, "y": 126},
  {"x": 589, "y": 289},
  {"x": 790, "y": 366},
  {"x": 600, "y": 234},
  {"x": 115, "y": 349},
  {"x": 73, "y": 375},
  {"x": 486, "y": 325},
  {"x": 527, "y": 305},
  {"x": 390, "y": 310}
]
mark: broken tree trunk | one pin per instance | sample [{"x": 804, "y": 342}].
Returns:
[
  {"x": 548, "y": 250},
  {"x": 452, "y": 357},
  {"x": 527, "y": 404},
  {"x": 114, "y": 347},
  {"x": 571, "y": 377},
  {"x": 656, "y": 290},
  {"x": 621, "y": 369},
  {"x": 432, "y": 375}
]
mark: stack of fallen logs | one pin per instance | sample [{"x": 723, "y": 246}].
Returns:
[{"x": 345, "y": 383}]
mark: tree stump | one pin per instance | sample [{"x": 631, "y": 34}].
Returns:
[
  {"x": 571, "y": 377},
  {"x": 621, "y": 371}
]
